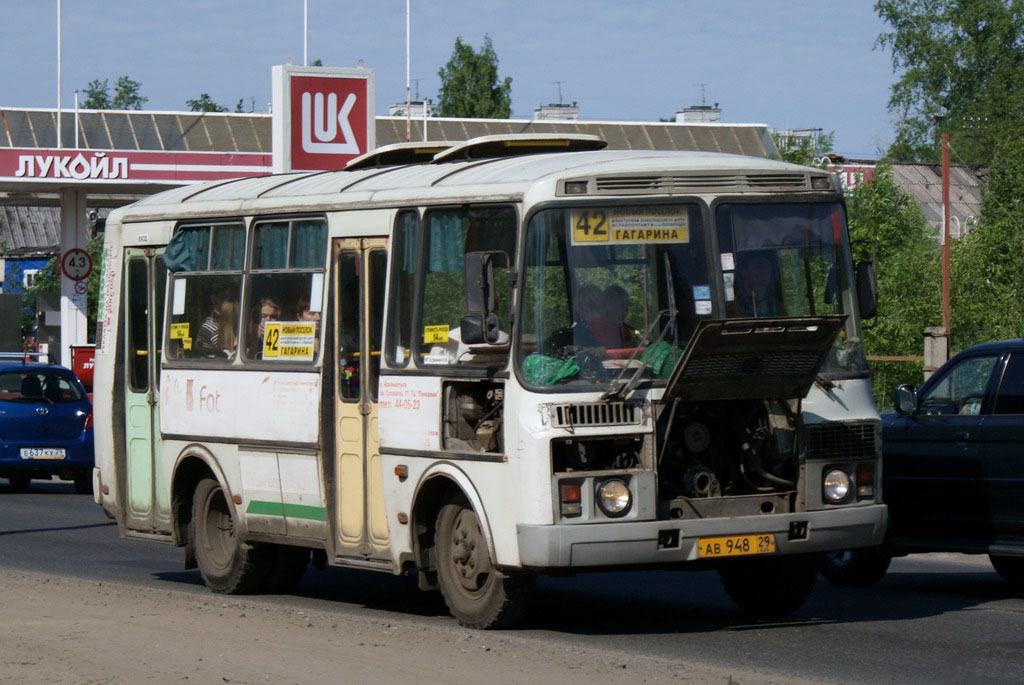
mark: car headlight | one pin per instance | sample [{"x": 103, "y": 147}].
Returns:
[
  {"x": 836, "y": 486},
  {"x": 613, "y": 497}
]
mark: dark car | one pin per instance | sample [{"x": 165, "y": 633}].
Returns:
[
  {"x": 953, "y": 467},
  {"x": 45, "y": 425}
]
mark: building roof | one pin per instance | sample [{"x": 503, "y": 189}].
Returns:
[
  {"x": 29, "y": 231},
  {"x": 923, "y": 182},
  {"x": 232, "y": 132}
]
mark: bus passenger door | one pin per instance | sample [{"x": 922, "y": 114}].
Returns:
[
  {"x": 360, "y": 267},
  {"x": 148, "y": 500}
]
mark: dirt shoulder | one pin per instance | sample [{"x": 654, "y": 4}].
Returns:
[{"x": 59, "y": 629}]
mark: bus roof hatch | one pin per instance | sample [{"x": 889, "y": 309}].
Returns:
[{"x": 514, "y": 144}]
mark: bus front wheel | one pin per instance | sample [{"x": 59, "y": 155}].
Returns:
[
  {"x": 475, "y": 592},
  {"x": 227, "y": 564}
]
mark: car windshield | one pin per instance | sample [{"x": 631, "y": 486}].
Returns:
[
  {"x": 610, "y": 289},
  {"x": 790, "y": 259},
  {"x": 38, "y": 386}
]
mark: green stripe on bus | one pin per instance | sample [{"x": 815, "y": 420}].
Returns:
[{"x": 299, "y": 511}]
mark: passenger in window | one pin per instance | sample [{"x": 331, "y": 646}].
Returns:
[
  {"x": 757, "y": 287},
  {"x": 217, "y": 338},
  {"x": 610, "y": 329},
  {"x": 303, "y": 313},
  {"x": 267, "y": 309}
]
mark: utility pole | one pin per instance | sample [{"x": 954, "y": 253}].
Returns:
[{"x": 945, "y": 232}]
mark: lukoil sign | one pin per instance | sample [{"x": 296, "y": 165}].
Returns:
[{"x": 323, "y": 117}]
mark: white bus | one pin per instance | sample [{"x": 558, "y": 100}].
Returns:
[{"x": 489, "y": 361}]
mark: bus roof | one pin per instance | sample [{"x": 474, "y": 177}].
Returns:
[{"x": 613, "y": 172}]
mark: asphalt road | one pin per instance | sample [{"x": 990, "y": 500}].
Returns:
[{"x": 934, "y": 618}]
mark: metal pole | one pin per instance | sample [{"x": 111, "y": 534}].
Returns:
[
  {"x": 408, "y": 77},
  {"x": 76, "y": 118},
  {"x": 945, "y": 232},
  {"x": 60, "y": 142},
  {"x": 305, "y": 33}
]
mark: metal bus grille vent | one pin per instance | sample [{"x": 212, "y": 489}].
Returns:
[
  {"x": 666, "y": 184},
  {"x": 598, "y": 414},
  {"x": 733, "y": 366},
  {"x": 834, "y": 440}
]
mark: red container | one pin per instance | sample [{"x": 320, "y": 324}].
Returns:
[{"x": 82, "y": 364}]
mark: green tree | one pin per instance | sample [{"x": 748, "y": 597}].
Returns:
[
  {"x": 126, "y": 94},
  {"x": 805, "y": 150},
  {"x": 987, "y": 264},
  {"x": 886, "y": 225},
  {"x": 204, "y": 103},
  {"x": 470, "y": 85},
  {"x": 961, "y": 67}
]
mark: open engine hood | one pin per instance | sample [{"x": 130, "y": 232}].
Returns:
[{"x": 769, "y": 358}]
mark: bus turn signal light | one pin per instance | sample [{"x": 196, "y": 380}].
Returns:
[{"x": 571, "y": 496}]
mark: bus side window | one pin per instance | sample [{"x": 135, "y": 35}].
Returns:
[
  {"x": 377, "y": 274},
  {"x": 349, "y": 357}
]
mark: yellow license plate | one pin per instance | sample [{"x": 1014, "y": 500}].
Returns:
[{"x": 735, "y": 546}]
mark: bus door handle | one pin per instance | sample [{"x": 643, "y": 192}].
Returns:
[{"x": 364, "y": 408}]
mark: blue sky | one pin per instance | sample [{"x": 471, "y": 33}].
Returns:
[{"x": 794, "y": 63}]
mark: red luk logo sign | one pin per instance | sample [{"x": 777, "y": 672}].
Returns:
[{"x": 328, "y": 121}]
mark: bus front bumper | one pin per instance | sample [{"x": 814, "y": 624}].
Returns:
[{"x": 675, "y": 541}]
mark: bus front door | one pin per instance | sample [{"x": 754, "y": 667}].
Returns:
[
  {"x": 360, "y": 268},
  {"x": 148, "y": 501}
]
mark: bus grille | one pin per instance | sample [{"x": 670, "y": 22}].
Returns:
[
  {"x": 688, "y": 183},
  {"x": 595, "y": 414},
  {"x": 836, "y": 440}
]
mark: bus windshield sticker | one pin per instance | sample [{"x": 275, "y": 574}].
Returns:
[
  {"x": 702, "y": 307},
  {"x": 728, "y": 264},
  {"x": 179, "y": 331},
  {"x": 728, "y": 280},
  {"x": 653, "y": 224},
  {"x": 290, "y": 340},
  {"x": 186, "y": 344},
  {"x": 701, "y": 292},
  {"x": 435, "y": 334},
  {"x": 316, "y": 293},
  {"x": 178, "y": 307}
]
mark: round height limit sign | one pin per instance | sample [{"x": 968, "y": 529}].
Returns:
[{"x": 76, "y": 264}]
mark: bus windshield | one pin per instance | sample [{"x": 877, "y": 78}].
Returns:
[
  {"x": 790, "y": 259},
  {"x": 612, "y": 290}
]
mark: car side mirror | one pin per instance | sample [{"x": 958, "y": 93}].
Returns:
[
  {"x": 867, "y": 289},
  {"x": 904, "y": 399}
]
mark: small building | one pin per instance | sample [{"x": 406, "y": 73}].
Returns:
[
  {"x": 556, "y": 112},
  {"x": 418, "y": 109},
  {"x": 699, "y": 114}
]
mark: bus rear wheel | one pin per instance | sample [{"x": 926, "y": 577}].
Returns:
[
  {"x": 477, "y": 595},
  {"x": 227, "y": 564},
  {"x": 773, "y": 586},
  {"x": 1010, "y": 569}
]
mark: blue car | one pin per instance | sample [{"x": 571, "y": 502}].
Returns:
[{"x": 45, "y": 425}]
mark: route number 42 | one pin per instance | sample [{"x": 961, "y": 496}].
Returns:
[{"x": 589, "y": 226}]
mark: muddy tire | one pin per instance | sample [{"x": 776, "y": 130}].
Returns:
[
  {"x": 773, "y": 586},
  {"x": 1011, "y": 569},
  {"x": 477, "y": 595},
  {"x": 83, "y": 483},
  {"x": 856, "y": 567},
  {"x": 227, "y": 564},
  {"x": 18, "y": 483}
]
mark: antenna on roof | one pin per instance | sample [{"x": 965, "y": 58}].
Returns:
[
  {"x": 703, "y": 99},
  {"x": 559, "y": 84}
]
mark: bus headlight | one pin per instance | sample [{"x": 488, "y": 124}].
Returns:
[
  {"x": 613, "y": 497},
  {"x": 836, "y": 486}
]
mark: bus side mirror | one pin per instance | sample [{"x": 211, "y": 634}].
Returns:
[
  {"x": 867, "y": 289},
  {"x": 904, "y": 399},
  {"x": 480, "y": 324}
]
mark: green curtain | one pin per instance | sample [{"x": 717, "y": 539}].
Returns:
[
  {"x": 310, "y": 245},
  {"x": 188, "y": 250}
]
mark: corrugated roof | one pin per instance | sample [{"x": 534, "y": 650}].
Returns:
[
  {"x": 923, "y": 182},
  {"x": 33, "y": 231},
  {"x": 232, "y": 132}
]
